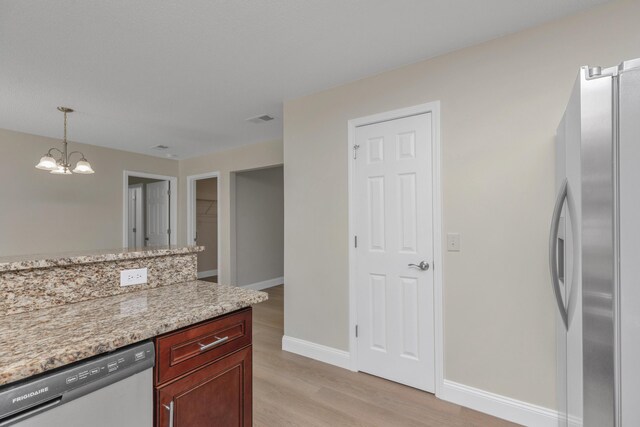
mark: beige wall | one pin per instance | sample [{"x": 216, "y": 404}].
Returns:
[
  {"x": 243, "y": 158},
  {"x": 75, "y": 213},
  {"x": 259, "y": 225},
  {"x": 207, "y": 223},
  {"x": 501, "y": 102},
  {"x": 43, "y": 213}
]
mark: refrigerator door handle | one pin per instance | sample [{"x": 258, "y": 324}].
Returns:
[{"x": 553, "y": 251}]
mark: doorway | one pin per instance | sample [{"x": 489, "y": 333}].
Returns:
[
  {"x": 207, "y": 228},
  {"x": 150, "y": 210},
  {"x": 395, "y": 257},
  {"x": 257, "y": 227},
  {"x": 203, "y": 222}
]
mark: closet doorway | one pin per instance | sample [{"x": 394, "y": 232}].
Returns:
[{"x": 203, "y": 224}]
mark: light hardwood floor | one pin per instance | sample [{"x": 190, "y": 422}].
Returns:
[{"x": 291, "y": 390}]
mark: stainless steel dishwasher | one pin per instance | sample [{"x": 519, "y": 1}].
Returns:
[{"x": 114, "y": 390}]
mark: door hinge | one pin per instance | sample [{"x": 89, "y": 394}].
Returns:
[
  {"x": 168, "y": 192},
  {"x": 356, "y": 331},
  {"x": 355, "y": 241},
  {"x": 355, "y": 151},
  {"x": 168, "y": 231},
  {"x": 134, "y": 230}
]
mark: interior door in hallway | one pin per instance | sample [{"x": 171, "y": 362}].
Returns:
[
  {"x": 394, "y": 255},
  {"x": 135, "y": 221},
  {"x": 158, "y": 194}
]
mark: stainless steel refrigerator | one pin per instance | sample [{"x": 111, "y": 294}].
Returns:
[{"x": 594, "y": 251}]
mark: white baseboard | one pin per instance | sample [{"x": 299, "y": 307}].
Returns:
[
  {"x": 207, "y": 273},
  {"x": 265, "y": 284},
  {"x": 318, "y": 352},
  {"x": 499, "y": 406}
]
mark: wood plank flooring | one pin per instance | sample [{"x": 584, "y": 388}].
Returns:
[{"x": 291, "y": 390}]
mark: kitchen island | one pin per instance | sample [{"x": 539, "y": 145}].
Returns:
[
  {"x": 37, "y": 341},
  {"x": 198, "y": 328}
]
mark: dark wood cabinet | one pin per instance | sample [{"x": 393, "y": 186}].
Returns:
[
  {"x": 218, "y": 394},
  {"x": 197, "y": 385},
  {"x": 182, "y": 351}
]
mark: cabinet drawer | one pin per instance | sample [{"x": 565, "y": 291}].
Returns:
[{"x": 185, "y": 350}]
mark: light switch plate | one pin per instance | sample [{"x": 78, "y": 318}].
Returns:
[
  {"x": 133, "y": 277},
  {"x": 453, "y": 242}
]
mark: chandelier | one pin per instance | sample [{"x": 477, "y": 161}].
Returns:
[{"x": 62, "y": 164}]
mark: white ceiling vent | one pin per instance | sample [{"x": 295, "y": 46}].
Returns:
[
  {"x": 260, "y": 119},
  {"x": 160, "y": 147}
]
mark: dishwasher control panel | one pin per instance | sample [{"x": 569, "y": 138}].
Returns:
[
  {"x": 104, "y": 367},
  {"x": 64, "y": 384}
]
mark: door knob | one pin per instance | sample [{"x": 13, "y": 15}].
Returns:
[{"x": 422, "y": 266}]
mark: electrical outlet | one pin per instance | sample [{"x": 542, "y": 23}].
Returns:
[
  {"x": 453, "y": 242},
  {"x": 133, "y": 277}
]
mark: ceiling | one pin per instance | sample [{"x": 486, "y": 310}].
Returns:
[{"x": 187, "y": 74}]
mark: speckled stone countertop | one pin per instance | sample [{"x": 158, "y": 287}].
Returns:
[
  {"x": 27, "y": 262},
  {"x": 40, "y": 340}
]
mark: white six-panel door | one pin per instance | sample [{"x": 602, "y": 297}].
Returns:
[
  {"x": 135, "y": 221},
  {"x": 158, "y": 213},
  {"x": 394, "y": 226}
]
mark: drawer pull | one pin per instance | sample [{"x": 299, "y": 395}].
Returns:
[{"x": 204, "y": 347}]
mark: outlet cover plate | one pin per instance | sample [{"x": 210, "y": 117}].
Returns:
[{"x": 137, "y": 276}]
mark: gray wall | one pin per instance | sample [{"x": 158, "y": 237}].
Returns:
[
  {"x": 259, "y": 225},
  {"x": 501, "y": 102},
  {"x": 43, "y": 213},
  {"x": 139, "y": 180}
]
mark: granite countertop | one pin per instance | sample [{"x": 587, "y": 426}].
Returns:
[
  {"x": 27, "y": 262},
  {"x": 40, "y": 340}
]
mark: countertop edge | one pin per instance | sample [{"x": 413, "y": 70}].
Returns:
[{"x": 30, "y": 262}]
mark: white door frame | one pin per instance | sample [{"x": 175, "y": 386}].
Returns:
[
  {"x": 434, "y": 109},
  {"x": 191, "y": 209},
  {"x": 173, "y": 204}
]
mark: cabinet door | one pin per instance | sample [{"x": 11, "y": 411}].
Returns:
[{"x": 218, "y": 394}]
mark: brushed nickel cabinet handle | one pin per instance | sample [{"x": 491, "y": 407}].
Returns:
[
  {"x": 170, "y": 409},
  {"x": 204, "y": 347}
]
